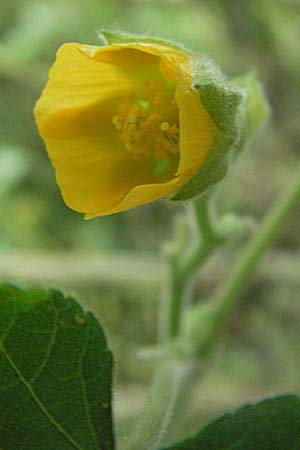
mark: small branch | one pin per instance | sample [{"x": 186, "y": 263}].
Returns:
[
  {"x": 170, "y": 392},
  {"x": 186, "y": 262},
  {"x": 156, "y": 427},
  {"x": 228, "y": 294},
  {"x": 176, "y": 370}
]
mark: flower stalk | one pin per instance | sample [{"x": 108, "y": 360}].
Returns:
[
  {"x": 161, "y": 421},
  {"x": 177, "y": 367},
  {"x": 185, "y": 263},
  {"x": 208, "y": 238},
  {"x": 228, "y": 294}
]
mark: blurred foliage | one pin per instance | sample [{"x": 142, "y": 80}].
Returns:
[{"x": 261, "y": 352}]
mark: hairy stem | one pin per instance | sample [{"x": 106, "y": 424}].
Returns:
[
  {"x": 228, "y": 294},
  {"x": 176, "y": 371},
  {"x": 184, "y": 265},
  {"x": 159, "y": 423}
]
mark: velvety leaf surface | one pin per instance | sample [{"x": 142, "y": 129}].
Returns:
[
  {"x": 55, "y": 374},
  {"x": 271, "y": 424}
]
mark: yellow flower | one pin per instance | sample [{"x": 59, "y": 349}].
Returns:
[{"x": 122, "y": 124}]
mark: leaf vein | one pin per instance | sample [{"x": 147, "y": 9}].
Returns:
[
  {"x": 38, "y": 401},
  {"x": 43, "y": 364},
  {"x": 84, "y": 389}
]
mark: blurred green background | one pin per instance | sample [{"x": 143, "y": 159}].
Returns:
[{"x": 112, "y": 264}]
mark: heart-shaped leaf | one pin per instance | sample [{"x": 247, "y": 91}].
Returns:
[
  {"x": 55, "y": 374},
  {"x": 271, "y": 424}
]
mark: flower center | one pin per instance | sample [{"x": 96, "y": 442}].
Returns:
[{"x": 148, "y": 125}]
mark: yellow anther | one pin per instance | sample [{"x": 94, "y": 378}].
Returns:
[
  {"x": 132, "y": 118},
  {"x": 118, "y": 123},
  {"x": 131, "y": 129},
  {"x": 150, "y": 84},
  {"x": 167, "y": 145},
  {"x": 158, "y": 99},
  {"x": 174, "y": 129},
  {"x": 165, "y": 126},
  {"x": 154, "y": 119},
  {"x": 148, "y": 125}
]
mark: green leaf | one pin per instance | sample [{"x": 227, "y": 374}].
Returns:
[
  {"x": 271, "y": 424},
  {"x": 56, "y": 371},
  {"x": 237, "y": 109}
]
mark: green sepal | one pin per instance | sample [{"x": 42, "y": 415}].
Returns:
[
  {"x": 237, "y": 108},
  {"x": 255, "y": 108},
  {"x": 108, "y": 37}
]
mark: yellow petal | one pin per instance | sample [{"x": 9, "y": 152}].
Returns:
[
  {"x": 76, "y": 81},
  {"x": 197, "y": 130},
  {"x": 142, "y": 194},
  {"x": 95, "y": 172},
  {"x": 74, "y": 116},
  {"x": 139, "y": 54}
]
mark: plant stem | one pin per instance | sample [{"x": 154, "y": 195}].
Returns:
[
  {"x": 158, "y": 424},
  {"x": 176, "y": 372},
  {"x": 229, "y": 293},
  {"x": 183, "y": 266}
]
